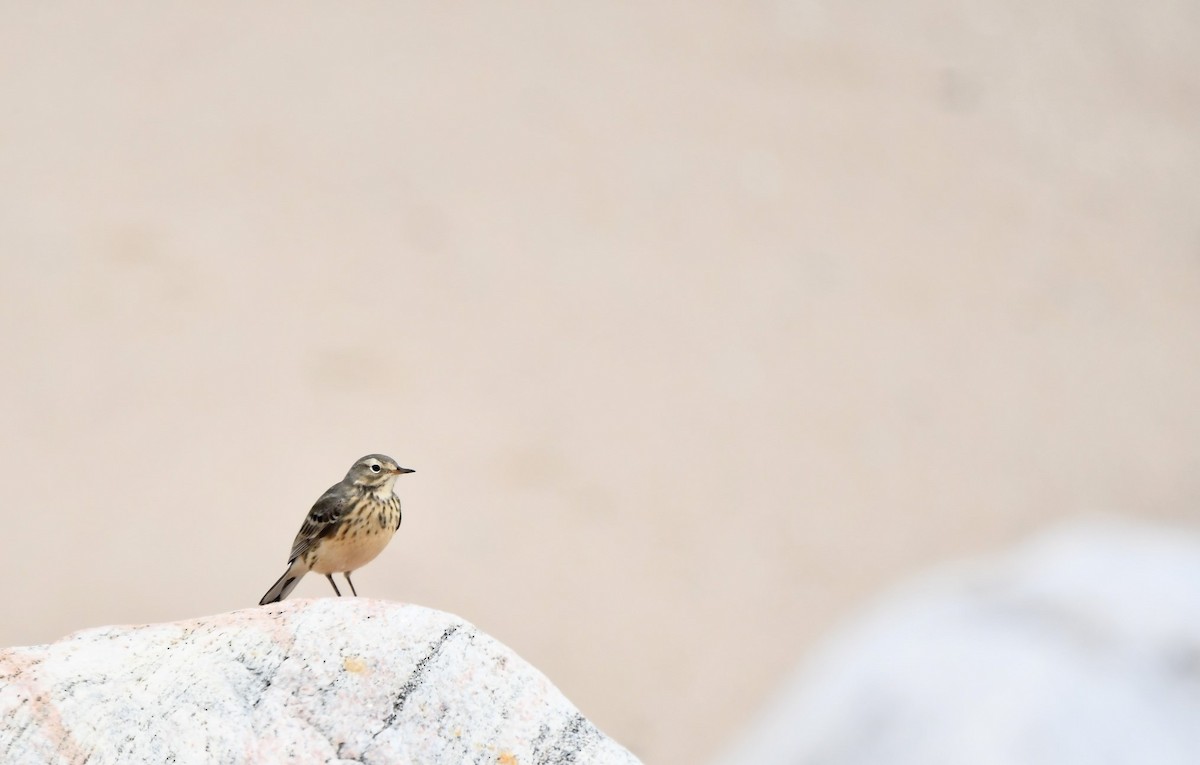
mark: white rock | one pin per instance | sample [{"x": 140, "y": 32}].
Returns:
[
  {"x": 1082, "y": 647},
  {"x": 306, "y": 681}
]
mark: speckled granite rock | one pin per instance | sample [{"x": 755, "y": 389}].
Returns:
[{"x": 306, "y": 681}]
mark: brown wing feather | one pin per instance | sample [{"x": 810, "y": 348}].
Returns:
[{"x": 322, "y": 520}]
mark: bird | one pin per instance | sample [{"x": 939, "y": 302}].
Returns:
[{"x": 347, "y": 527}]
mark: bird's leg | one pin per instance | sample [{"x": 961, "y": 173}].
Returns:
[
  {"x": 347, "y": 575},
  {"x": 335, "y": 589}
]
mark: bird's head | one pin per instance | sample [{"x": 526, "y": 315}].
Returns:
[{"x": 376, "y": 471}]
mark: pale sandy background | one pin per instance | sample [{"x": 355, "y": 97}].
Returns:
[{"x": 700, "y": 324}]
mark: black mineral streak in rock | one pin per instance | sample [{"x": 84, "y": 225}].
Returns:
[{"x": 417, "y": 677}]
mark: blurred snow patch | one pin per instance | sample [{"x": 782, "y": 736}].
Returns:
[{"x": 1082, "y": 646}]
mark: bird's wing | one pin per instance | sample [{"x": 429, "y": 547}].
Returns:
[{"x": 321, "y": 521}]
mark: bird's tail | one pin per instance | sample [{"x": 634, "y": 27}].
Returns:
[{"x": 286, "y": 583}]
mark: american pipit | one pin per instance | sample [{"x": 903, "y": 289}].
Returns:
[{"x": 348, "y": 526}]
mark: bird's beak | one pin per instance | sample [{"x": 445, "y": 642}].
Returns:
[{"x": 401, "y": 471}]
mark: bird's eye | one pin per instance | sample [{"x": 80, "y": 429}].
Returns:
[{"x": 375, "y": 468}]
